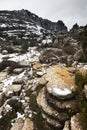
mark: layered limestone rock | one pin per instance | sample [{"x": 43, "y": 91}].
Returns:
[
  {"x": 57, "y": 99},
  {"x": 41, "y": 100}
]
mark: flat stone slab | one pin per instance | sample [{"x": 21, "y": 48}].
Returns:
[
  {"x": 61, "y": 82},
  {"x": 62, "y": 105},
  {"x": 42, "y": 102},
  {"x": 18, "y": 81},
  {"x": 18, "y": 70}
]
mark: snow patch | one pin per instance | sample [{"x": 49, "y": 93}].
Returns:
[
  {"x": 31, "y": 56},
  {"x": 19, "y": 115},
  {"x": 85, "y": 67},
  {"x": 61, "y": 92},
  {"x": 3, "y": 25},
  {"x": 47, "y": 41},
  {"x": 8, "y": 108},
  {"x": 0, "y": 116},
  {"x": 10, "y": 80}
]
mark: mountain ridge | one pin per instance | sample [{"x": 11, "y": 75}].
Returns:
[{"x": 27, "y": 15}]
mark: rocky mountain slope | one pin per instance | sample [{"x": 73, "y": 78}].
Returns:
[
  {"x": 24, "y": 25},
  {"x": 43, "y": 81}
]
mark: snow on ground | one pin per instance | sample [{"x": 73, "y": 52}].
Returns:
[
  {"x": 47, "y": 41},
  {"x": 61, "y": 92},
  {"x": 8, "y": 108},
  {"x": 7, "y": 55},
  {"x": 10, "y": 80},
  {"x": 19, "y": 115},
  {"x": 31, "y": 55},
  {"x": 1, "y": 57},
  {"x": 3, "y": 25},
  {"x": 1, "y": 116},
  {"x": 85, "y": 67}
]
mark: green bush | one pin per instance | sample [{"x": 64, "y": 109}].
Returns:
[
  {"x": 80, "y": 81},
  {"x": 24, "y": 47}
]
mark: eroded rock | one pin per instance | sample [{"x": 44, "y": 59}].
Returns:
[
  {"x": 75, "y": 123},
  {"x": 18, "y": 125},
  {"x": 28, "y": 125}
]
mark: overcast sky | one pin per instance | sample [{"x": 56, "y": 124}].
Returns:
[{"x": 70, "y": 11}]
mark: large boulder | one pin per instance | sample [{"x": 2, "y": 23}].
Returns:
[
  {"x": 60, "y": 82},
  {"x": 57, "y": 100}
]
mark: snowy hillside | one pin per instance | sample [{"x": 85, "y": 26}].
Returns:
[{"x": 24, "y": 26}]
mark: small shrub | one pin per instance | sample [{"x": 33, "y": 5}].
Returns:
[
  {"x": 69, "y": 49},
  {"x": 24, "y": 47},
  {"x": 80, "y": 81}
]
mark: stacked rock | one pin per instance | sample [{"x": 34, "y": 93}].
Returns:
[{"x": 57, "y": 99}]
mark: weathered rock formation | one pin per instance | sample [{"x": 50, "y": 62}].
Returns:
[{"x": 57, "y": 100}]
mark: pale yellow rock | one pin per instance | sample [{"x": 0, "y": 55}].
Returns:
[
  {"x": 75, "y": 123},
  {"x": 56, "y": 73},
  {"x": 37, "y": 65},
  {"x": 61, "y": 82},
  {"x": 28, "y": 125},
  {"x": 42, "y": 80}
]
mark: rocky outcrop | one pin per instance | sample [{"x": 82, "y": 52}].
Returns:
[{"x": 57, "y": 100}]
